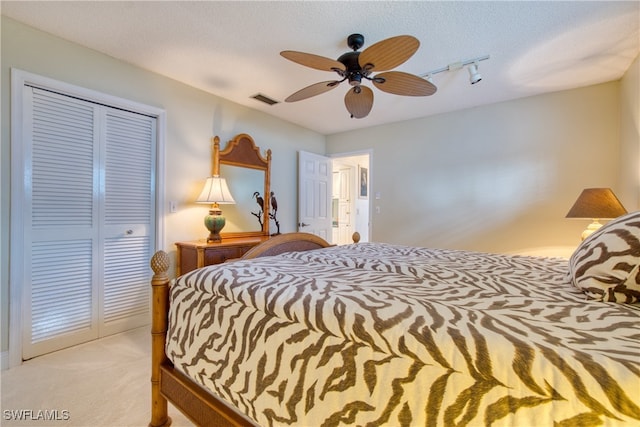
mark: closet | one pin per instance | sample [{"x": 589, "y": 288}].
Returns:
[{"x": 87, "y": 229}]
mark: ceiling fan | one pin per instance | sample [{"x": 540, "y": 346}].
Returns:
[{"x": 356, "y": 66}]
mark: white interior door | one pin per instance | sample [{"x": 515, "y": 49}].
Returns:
[
  {"x": 88, "y": 227},
  {"x": 314, "y": 194}
]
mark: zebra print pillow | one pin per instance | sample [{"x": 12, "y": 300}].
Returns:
[{"x": 606, "y": 265}]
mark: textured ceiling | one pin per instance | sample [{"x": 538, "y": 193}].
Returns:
[{"x": 231, "y": 49}]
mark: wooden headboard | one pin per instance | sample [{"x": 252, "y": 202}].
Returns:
[{"x": 287, "y": 242}]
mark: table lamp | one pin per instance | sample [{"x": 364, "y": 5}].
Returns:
[
  {"x": 596, "y": 204},
  {"x": 215, "y": 192}
]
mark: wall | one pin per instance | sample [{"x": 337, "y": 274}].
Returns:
[
  {"x": 193, "y": 117},
  {"x": 630, "y": 136},
  {"x": 498, "y": 178}
]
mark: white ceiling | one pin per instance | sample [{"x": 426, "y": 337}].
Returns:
[{"x": 231, "y": 49}]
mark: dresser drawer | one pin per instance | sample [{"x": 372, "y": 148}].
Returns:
[{"x": 221, "y": 255}]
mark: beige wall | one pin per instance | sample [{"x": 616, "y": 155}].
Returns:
[
  {"x": 498, "y": 178},
  {"x": 193, "y": 117},
  {"x": 630, "y": 136}
]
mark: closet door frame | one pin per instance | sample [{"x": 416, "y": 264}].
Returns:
[{"x": 20, "y": 79}]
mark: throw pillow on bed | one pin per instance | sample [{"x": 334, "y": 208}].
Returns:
[{"x": 606, "y": 265}]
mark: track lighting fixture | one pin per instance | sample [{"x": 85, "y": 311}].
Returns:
[{"x": 474, "y": 75}]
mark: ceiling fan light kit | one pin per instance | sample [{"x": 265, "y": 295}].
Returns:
[{"x": 357, "y": 66}]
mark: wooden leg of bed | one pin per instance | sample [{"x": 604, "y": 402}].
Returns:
[{"x": 160, "y": 304}]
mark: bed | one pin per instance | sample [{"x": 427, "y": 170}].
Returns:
[{"x": 309, "y": 334}]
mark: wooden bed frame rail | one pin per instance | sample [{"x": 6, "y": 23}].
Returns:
[{"x": 170, "y": 385}]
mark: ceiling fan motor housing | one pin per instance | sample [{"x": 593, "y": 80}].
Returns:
[{"x": 353, "y": 70}]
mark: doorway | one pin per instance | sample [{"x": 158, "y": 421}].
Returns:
[{"x": 350, "y": 205}]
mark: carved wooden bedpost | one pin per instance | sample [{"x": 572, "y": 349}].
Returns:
[{"x": 160, "y": 304}]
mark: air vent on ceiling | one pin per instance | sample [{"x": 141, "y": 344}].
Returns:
[{"x": 265, "y": 99}]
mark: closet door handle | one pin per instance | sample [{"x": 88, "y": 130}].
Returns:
[{"x": 129, "y": 232}]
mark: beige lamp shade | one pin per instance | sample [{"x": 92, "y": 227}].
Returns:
[
  {"x": 595, "y": 204},
  {"x": 215, "y": 190}
]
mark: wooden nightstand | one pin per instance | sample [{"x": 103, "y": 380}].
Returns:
[{"x": 199, "y": 253}]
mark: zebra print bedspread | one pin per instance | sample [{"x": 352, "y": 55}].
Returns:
[{"x": 379, "y": 334}]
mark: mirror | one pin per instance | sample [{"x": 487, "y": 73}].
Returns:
[
  {"x": 247, "y": 172},
  {"x": 243, "y": 183}
]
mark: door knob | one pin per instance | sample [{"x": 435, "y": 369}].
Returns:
[
  {"x": 129, "y": 232},
  {"x": 302, "y": 224}
]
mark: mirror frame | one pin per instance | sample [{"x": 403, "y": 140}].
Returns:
[{"x": 242, "y": 151}]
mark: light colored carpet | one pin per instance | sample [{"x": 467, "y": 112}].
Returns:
[{"x": 101, "y": 383}]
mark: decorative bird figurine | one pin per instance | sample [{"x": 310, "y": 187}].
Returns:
[
  {"x": 274, "y": 203},
  {"x": 259, "y": 199},
  {"x": 274, "y": 211}
]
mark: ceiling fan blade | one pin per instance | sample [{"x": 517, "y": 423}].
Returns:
[
  {"x": 359, "y": 104},
  {"x": 313, "y": 90},
  {"x": 399, "y": 83},
  {"x": 313, "y": 61},
  {"x": 388, "y": 53}
]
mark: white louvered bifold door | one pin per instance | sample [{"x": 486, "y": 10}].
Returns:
[
  {"x": 61, "y": 238},
  {"x": 87, "y": 233},
  {"x": 128, "y": 211}
]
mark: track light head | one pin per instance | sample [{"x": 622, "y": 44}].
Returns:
[{"x": 474, "y": 75}]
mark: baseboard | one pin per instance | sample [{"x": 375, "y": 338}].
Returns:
[{"x": 4, "y": 360}]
